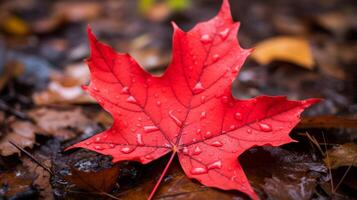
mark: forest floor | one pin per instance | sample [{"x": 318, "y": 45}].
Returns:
[{"x": 43, "y": 109}]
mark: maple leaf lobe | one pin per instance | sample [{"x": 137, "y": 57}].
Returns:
[{"x": 189, "y": 109}]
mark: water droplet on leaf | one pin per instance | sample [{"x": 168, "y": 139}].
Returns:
[
  {"x": 215, "y": 165},
  {"x": 125, "y": 90},
  {"x": 217, "y": 144},
  {"x": 131, "y": 99},
  {"x": 197, "y": 150},
  {"x": 198, "y": 88},
  {"x": 265, "y": 127},
  {"x": 149, "y": 129},
  {"x": 139, "y": 139},
  {"x": 175, "y": 119},
  {"x": 238, "y": 116},
  {"x": 205, "y": 38},
  {"x": 127, "y": 150},
  {"x": 198, "y": 170},
  {"x": 224, "y": 33}
]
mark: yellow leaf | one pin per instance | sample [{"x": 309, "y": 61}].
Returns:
[{"x": 284, "y": 48}]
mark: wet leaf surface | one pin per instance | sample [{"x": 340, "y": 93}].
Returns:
[{"x": 41, "y": 55}]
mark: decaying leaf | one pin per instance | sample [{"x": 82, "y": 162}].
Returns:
[
  {"x": 342, "y": 155},
  {"x": 15, "y": 182},
  {"x": 62, "y": 123},
  {"x": 65, "y": 88},
  {"x": 99, "y": 181},
  {"x": 189, "y": 110},
  {"x": 42, "y": 177},
  {"x": 284, "y": 48},
  {"x": 21, "y": 132},
  {"x": 327, "y": 122}
]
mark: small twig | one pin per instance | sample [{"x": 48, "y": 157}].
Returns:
[
  {"x": 16, "y": 113},
  {"x": 328, "y": 164},
  {"x": 344, "y": 176},
  {"x": 98, "y": 193},
  {"x": 315, "y": 142},
  {"x": 32, "y": 157}
]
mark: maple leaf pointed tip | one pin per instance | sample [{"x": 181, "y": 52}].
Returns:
[{"x": 225, "y": 10}]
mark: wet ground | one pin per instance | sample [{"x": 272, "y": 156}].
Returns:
[{"x": 42, "y": 108}]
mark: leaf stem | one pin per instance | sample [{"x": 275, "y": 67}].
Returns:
[{"x": 162, "y": 175}]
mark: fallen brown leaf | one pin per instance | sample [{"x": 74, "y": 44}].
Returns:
[
  {"x": 342, "y": 155},
  {"x": 100, "y": 181},
  {"x": 284, "y": 48},
  {"x": 16, "y": 181},
  {"x": 42, "y": 180},
  {"x": 327, "y": 122},
  {"x": 65, "y": 88},
  {"x": 64, "y": 124},
  {"x": 21, "y": 132}
]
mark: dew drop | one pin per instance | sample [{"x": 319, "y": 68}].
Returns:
[
  {"x": 139, "y": 139},
  {"x": 97, "y": 147},
  {"x": 111, "y": 145},
  {"x": 223, "y": 34},
  {"x": 148, "y": 157},
  {"x": 125, "y": 90},
  {"x": 198, "y": 88},
  {"x": 208, "y": 134},
  {"x": 224, "y": 99},
  {"x": 205, "y": 38},
  {"x": 97, "y": 139},
  {"x": 158, "y": 103},
  {"x": 127, "y": 150},
  {"x": 176, "y": 120},
  {"x": 203, "y": 99},
  {"x": 198, "y": 170},
  {"x": 203, "y": 115},
  {"x": 197, "y": 150},
  {"x": 149, "y": 129},
  {"x": 131, "y": 99},
  {"x": 217, "y": 144},
  {"x": 185, "y": 151},
  {"x": 249, "y": 131},
  {"x": 232, "y": 127},
  {"x": 216, "y": 57},
  {"x": 87, "y": 143},
  {"x": 236, "y": 69},
  {"x": 215, "y": 165},
  {"x": 238, "y": 116},
  {"x": 265, "y": 127},
  {"x": 198, "y": 131}
]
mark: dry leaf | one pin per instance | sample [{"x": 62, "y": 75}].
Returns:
[
  {"x": 16, "y": 181},
  {"x": 13, "y": 25},
  {"x": 342, "y": 155},
  {"x": 101, "y": 181},
  {"x": 63, "y": 124},
  {"x": 327, "y": 122},
  {"x": 21, "y": 132},
  {"x": 65, "y": 88},
  {"x": 77, "y": 11},
  {"x": 290, "y": 49},
  {"x": 42, "y": 180}
]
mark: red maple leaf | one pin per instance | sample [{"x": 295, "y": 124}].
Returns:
[{"x": 189, "y": 110}]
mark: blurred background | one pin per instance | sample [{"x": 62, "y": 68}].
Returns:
[{"x": 303, "y": 49}]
